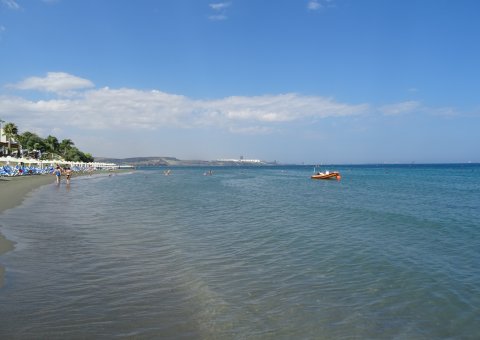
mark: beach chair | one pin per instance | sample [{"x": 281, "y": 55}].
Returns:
[{"x": 8, "y": 171}]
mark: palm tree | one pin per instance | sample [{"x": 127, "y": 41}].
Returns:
[
  {"x": 65, "y": 145},
  {"x": 2, "y": 150},
  {"x": 51, "y": 142},
  {"x": 31, "y": 141},
  {"x": 10, "y": 130}
]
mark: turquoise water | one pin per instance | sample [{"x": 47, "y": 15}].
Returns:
[{"x": 248, "y": 253}]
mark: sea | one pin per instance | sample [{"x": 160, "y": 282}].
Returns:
[{"x": 264, "y": 252}]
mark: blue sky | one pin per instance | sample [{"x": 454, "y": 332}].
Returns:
[{"x": 327, "y": 81}]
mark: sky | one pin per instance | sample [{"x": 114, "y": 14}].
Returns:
[{"x": 292, "y": 81}]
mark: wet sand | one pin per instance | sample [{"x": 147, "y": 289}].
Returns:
[{"x": 13, "y": 191}]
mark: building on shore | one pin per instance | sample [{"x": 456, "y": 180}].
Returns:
[
  {"x": 14, "y": 146},
  {"x": 241, "y": 160}
]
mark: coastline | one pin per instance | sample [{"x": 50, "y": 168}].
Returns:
[{"x": 14, "y": 190}]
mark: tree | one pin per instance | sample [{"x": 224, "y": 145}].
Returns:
[
  {"x": 10, "y": 130},
  {"x": 65, "y": 146},
  {"x": 28, "y": 139},
  {"x": 88, "y": 158},
  {"x": 31, "y": 142},
  {"x": 52, "y": 144}
]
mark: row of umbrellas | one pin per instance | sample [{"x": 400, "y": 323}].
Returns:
[{"x": 31, "y": 161}]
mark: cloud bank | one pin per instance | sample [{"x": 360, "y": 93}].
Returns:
[{"x": 106, "y": 108}]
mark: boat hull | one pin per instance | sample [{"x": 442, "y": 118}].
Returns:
[{"x": 332, "y": 175}]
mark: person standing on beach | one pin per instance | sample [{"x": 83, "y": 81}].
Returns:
[{"x": 58, "y": 173}]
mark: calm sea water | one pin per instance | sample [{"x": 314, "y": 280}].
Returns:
[{"x": 248, "y": 253}]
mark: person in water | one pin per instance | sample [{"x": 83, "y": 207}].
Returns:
[
  {"x": 58, "y": 172},
  {"x": 68, "y": 174}
]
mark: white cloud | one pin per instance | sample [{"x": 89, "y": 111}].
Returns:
[
  {"x": 409, "y": 107},
  {"x": 283, "y": 108},
  {"x": 316, "y": 5},
  {"x": 107, "y": 108},
  {"x": 220, "y": 10},
  {"x": 12, "y": 4},
  {"x": 443, "y": 111},
  {"x": 56, "y": 82},
  {"x": 400, "y": 108},
  {"x": 313, "y": 5},
  {"x": 219, "y": 6}
]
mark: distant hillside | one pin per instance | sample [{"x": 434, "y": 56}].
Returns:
[
  {"x": 168, "y": 161},
  {"x": 139, "y": 161}
]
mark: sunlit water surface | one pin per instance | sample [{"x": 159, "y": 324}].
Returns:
[{"x": 248, "y": 253}]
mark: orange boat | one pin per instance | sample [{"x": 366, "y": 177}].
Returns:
[{"x": 327, "y": 175}]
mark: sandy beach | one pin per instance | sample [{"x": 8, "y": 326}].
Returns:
[{"x": 13, "y": 191}]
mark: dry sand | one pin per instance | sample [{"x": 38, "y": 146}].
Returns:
[{"x": 14, "y": 189}]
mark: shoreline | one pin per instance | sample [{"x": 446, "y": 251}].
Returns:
[{"x": 14, "y": 191}]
